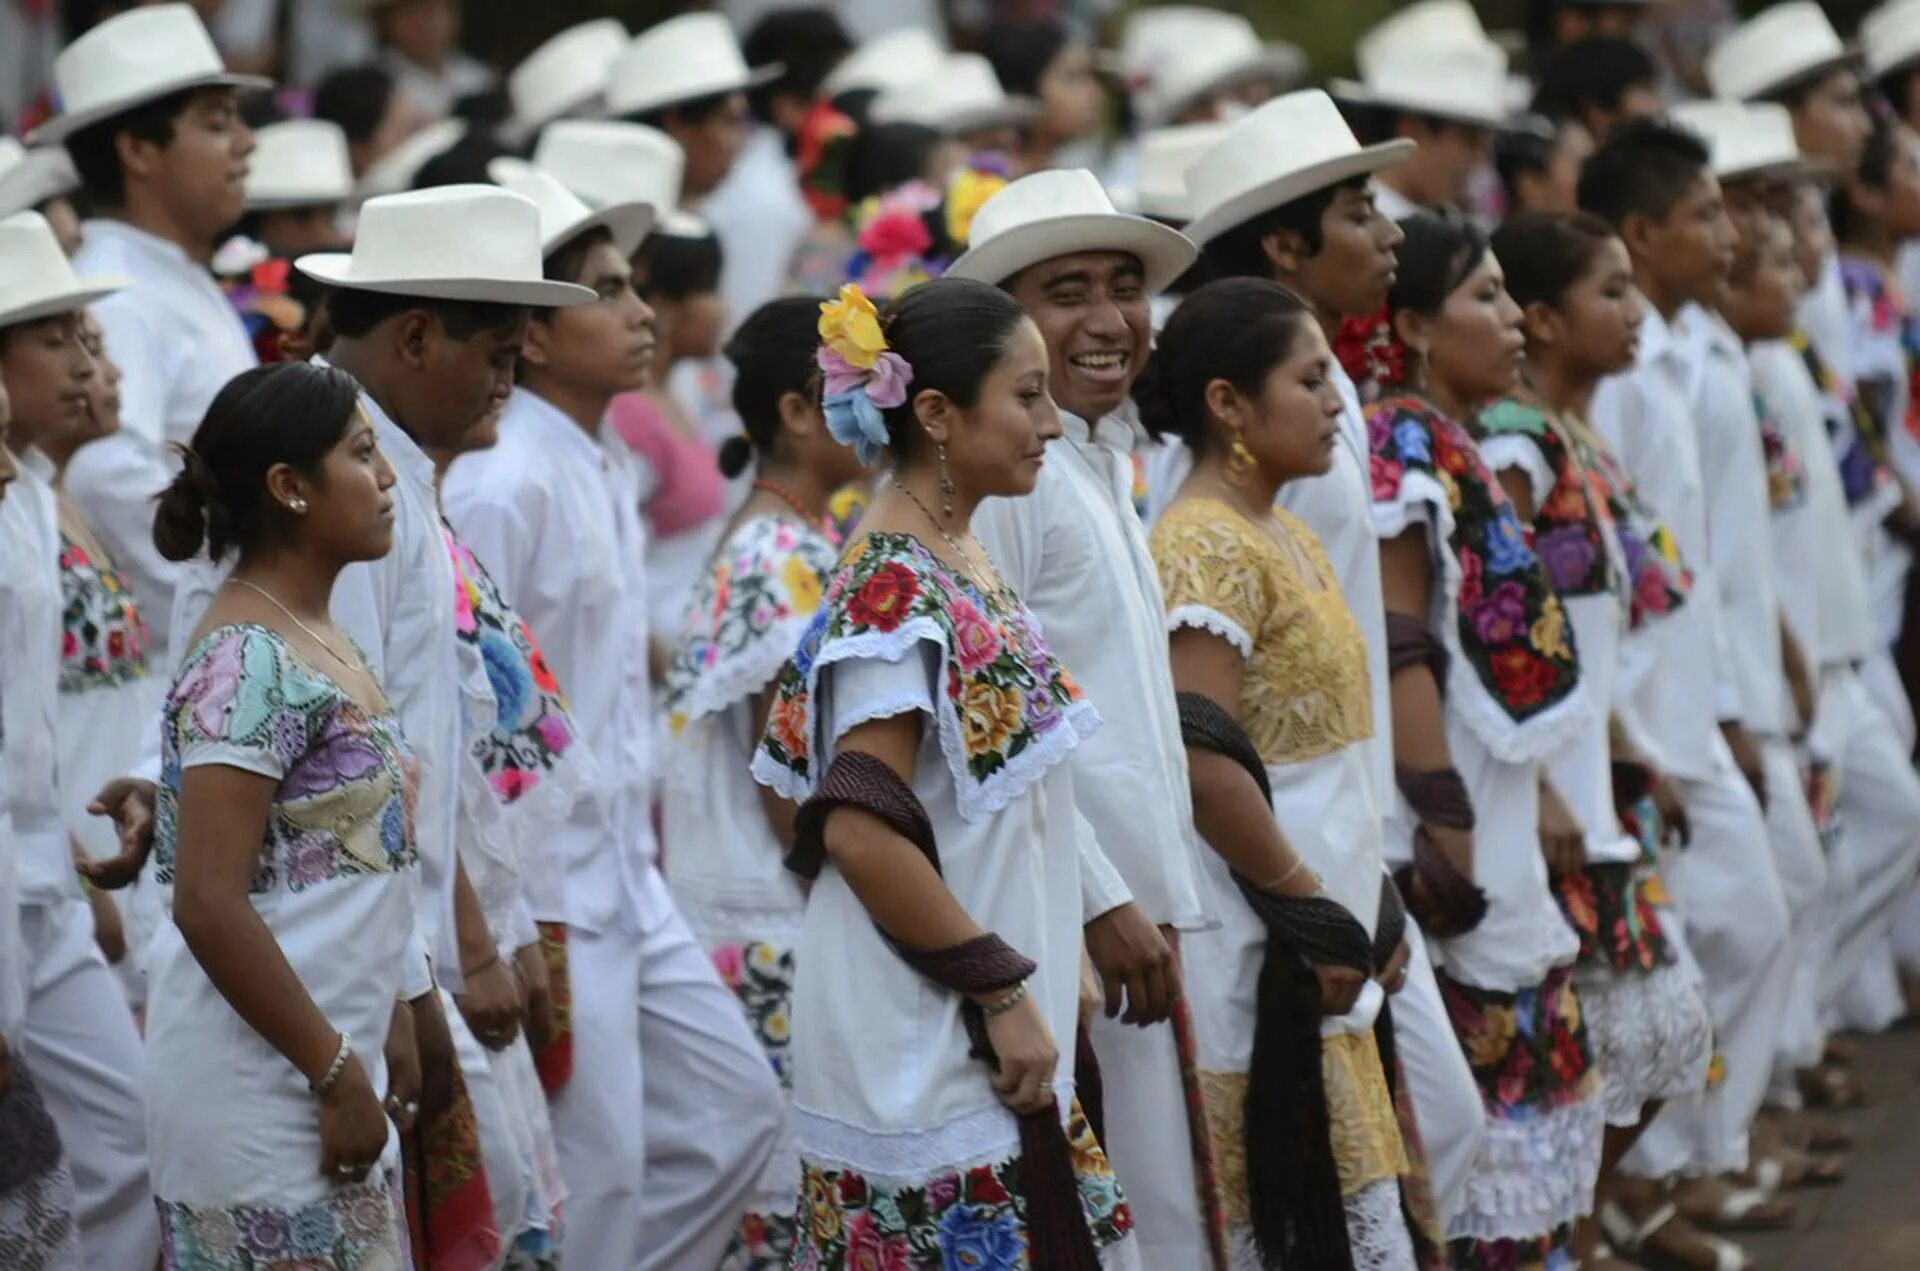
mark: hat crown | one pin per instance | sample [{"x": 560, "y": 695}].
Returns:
[
  {"x": 1432, "y": 26},
  {"x": 132, "y": 51},
  {"x": 1743, "y": 137},
  {"x": 559, "y": 210},
  {"x": 449, "y": 232},
  {"x": 686, "y": 57},
  {"x": 952, "y": 95},
  {"x": 1285, "y": 135},
  {"x": 568, "y": 70},
  {"x": 1040, "y": 196},
  {"x": 1890, "y": 36},
  {"x": 1160, "y": 188},
  {"x": 1772, "y": 49},
  {"x": 33, "y": 269},
  {"x": 299, "y": 161},
  {"x": 1182, "y": 51},
  {"x": 609, "y": 161},
  {"x": 904, "y": 56}
]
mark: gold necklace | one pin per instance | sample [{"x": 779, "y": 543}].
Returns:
[
  {"x": 295, "y": 619},
  {"x": 969, "y": 564}
]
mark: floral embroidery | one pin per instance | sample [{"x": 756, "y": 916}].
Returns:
[
  {"x": 1611, "y": 909},
  {"x": 1657, "y": 579},
  {"x": 1010, "y": 709},
  {"x": 103, "y": 641},
  {"x": 1528, "y": 1050},
  {"x": 344, "y": 806},
  {"x": 1570, "y": 525},
  {"x": 761, "y": 976},
  {"x": 533, "y": 729},
  {"x": 1786, "y": 478},
  {"x": 1874, "y": 298},
  {"x": 972, "y": 1218},
  {"x": 1509, "y": 626},
  {"x": 1859, "y": 447},
  {"x": 355, "y": 1227},
  {"x": 764, "y": 1242},
  {"x": 1550, "y": 1252}
]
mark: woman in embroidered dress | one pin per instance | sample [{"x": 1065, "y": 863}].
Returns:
[
  {"x": 284, "y": 826},
  {"x": 1261, "y": 628},
  {"x": 760, "y": 592},
  {"x": 1486, "y": 687},
  {"x": 1647, "y": 1022},
  {"x": 924, "y": 683}
]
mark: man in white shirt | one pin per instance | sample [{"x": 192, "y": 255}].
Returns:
[
  {"x": 1313, "y": 226},
  {"x": 162, "y": 152},
  {"x": 672, "y": 1108}
]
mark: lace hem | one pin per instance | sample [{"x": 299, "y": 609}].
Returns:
[
  {"x": 740, "y": 674},
  {"x": 978, "y": 1137},
  {"x": 1206, "y": 618},
  {"x": 1533, "y": 1174},
  {"x": 1651, "y": 1034},
  {"x": 1376, "y": 1233},
  {"x": 1515, "y": 450},
  {"x": 1422, "y": 501}
]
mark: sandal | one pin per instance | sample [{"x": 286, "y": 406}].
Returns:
[
  {"x": 1742, "y": 1209},
  {"x": 1831, "y": 1088},
  {"x": 1634, "y": 1239}
]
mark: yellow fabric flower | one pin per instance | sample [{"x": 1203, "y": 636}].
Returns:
[
  {"x": 1549, "y": 634},
  {"x": 802, "y": 584},
  {"x": 850, "y": 326},
  {"x": 967, "y": 192},
  {"x": 989, "y": 716}
]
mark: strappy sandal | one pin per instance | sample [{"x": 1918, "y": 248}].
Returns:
[
  {"x": 1634, "y": 1239},
  {"x": 1785, "y": 1168},
  {"x": 1745, "y": 1209}
]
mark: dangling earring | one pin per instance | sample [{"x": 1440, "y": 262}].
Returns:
[
  {"x": 1240, "y": 462},
  {"x": 946, "y": 484}
]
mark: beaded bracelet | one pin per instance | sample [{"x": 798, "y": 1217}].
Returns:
[
  {"x": 1014, "y": 997},
  {"x": 326, "y": 1084}
]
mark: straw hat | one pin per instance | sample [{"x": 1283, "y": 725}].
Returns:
[
  {"x": 604, "y": 162},
  {"x": 1284, "y": 150},
  {"x": 1747, "y": 139},
  {"x": 1160, "y": 185},
  {"x": 1059, "y": 212},
  {"x": 1779, "y": 47},
  {"x": 566, "y": 72},
  {"x": 453, "y": 242},
  {"x": 1890, "y": 37},
  {"x": 36, "y": 280},
  {"x": 1176, "y": 54},
  {"x": 1433, "y": 58},
  {"x": 299, "y": 163},
  {"x": 899, "y": 59},
  {"x": 682, "y": 59},
  {"x": 563, "y": 217},
  {"x": 133, "y": 58},
  {"x": 961, "y": 95},
  {"x": 394, "y": 171},
  {"x": 29, "y": 178}
]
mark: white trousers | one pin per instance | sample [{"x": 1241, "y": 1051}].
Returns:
[
  {"x": 86, "y": 1056},
  {"x": 1446, "y": 1102},
  {"x": 1801, "y": 864},
  {"x": 1737, "y": 925},
  {"x": 1148, "y": 1139},
  {"x": 672, "y": 1108}
]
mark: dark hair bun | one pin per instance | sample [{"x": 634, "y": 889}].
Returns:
[
  {"x": 181, "y": 522},
  {"x": 736, "y": 454}
]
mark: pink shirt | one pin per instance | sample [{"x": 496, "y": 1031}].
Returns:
[{"x": 687, "y": 488}]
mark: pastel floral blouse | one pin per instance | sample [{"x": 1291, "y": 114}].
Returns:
[{"x": 103, "y": 640}]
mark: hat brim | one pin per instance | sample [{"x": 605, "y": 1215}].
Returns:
[
  {"x": 1786, "y": 170},
  {"x": 89, "y": 290},
  {"x": 335, "y": 269},
  {"x": 1848, "y": 58},
  {"x": 755, "y": 78},
  {"x": 1212, "y": 222},
  {"x": 1283, "y": 61},
  {"x": 26, "y": 188},
  {"x": 627, "y": 223},
  {"x": 1164, "y": 253},
  {"x": 1012, "y": 113},
  {"x": 1493, "y": 119},
  {"x": 60, "y": 127},
  {"x": 286, "y": 202}
]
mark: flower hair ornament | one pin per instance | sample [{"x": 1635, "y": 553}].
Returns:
[{"x": 863, "y": 377}]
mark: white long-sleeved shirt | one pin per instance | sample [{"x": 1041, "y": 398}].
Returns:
[
  {"x": 1075, "y": 537},
  {"x": 556, "y": 517},
  {"x": 177, "y": 341},
  {"x": 760, "y": 217}
]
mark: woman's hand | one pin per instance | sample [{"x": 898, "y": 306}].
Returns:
[
  {"x": 491, "y": 1005},
  {"x": 1393, "y": 976},
  {"x": 1339, "y": 988},
  {"x": 403, "y": 1069},
  {"x": 1562, "y": 840},
  {"x": 130, "y": 802},
  {"x": 1027, "y": 1054},
  {"x": 353, "y": 1129},
  {"x": 536, "y": 993}
]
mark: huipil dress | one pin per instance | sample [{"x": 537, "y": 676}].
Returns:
[
  {"x": 1513, "y": 696},
  {"x": 236, "y": 1164},
  {"x": 1306, "y": 703},
  {"x": 1646, "y": 1020},
  {"x": 907, "y": 1158},
  {"x": 726, "y": 868}
]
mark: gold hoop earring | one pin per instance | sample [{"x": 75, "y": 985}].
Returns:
[
  {"x": 1240, "y": 462},
  {"x": 946, "y": 484}
]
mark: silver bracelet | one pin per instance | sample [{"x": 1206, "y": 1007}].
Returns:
[
  {"x": 1014, "y": 997},
  {"x": 339, "y": 1065}
]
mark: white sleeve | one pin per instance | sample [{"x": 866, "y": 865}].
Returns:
[
  {"x": 1102, "y": 890},
  {"x": 858, "y": 690},
  {"x": 1510, "y": 450}
]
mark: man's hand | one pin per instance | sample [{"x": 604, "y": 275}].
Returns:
[
  {"x": 490, "y": 1004},
  {"x": 1746, "y": 755},
  {"x": 129, "y": 801},
  {"x": 1135, "y": 963},
  {"x": 1674, "y": 823},
  {"x": 536, "y": 992}
]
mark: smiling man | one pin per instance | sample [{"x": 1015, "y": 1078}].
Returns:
[{"x": 1075, "y": 551}]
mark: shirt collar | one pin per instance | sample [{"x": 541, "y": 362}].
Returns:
[
  {"x": 1113, "y": 432},
  {"x": 131, "y": 238},
  {"x": 1657, "y": 338}
]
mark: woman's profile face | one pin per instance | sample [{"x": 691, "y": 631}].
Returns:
[
  {"x": 1070, "y": 98},
  {"x": 1601, "y": 312},
  {"x": 349, "y": 513},
  {"x": 1476, "y": 340},
  {"x": 1001, "y": 443},
  {"x": 1296, "y": 417},
  {"x": 49, "y": 375}
]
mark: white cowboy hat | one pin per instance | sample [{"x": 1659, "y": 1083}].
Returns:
[
  {"x": 1160, "y": 182},
  {"x": 1288, "y": 148},
  {"x": 902, "y": 57},
  {"x": 1056, "y": 213},
  {"x": 1433, "y": 58},
  {"x": 1890, "y": 37},
  {"x": 1174, "y": 54},
  {"x": 29, "y": 178},
  {"x": 609, "y": 161},
  {"x": 299, "y": 163},
  {"x": 566, "y": 72},
  {"x": 1781, "y": 46},
  {"x": 563, "y": 217},
  {"x": 394, "y": 171},
  {"x": 682, "y": 59},
  {"x": 962, "y": 95},
  {"x": 36, "y": 281},
  {"x": 453, "y": 242},
  {"x": 1747, "y": 139},
  {"x": 133, "y": 58}
]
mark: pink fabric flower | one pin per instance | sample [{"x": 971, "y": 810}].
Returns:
[
  {"x": 891, "y": 375},
  {"x": 841, "y": 375}
]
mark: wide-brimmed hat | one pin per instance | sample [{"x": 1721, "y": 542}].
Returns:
[
  {"x": 394, "y": 171},
  {"x": 1171, "y": 55},
  {"x": 609, "y": 161},
  {"x": 898, "y": 59},
  {"x": 1284, "y": 150},
  {"x": 1160, "y": 180},
  {"x": 1059, "y": 212},
  {"x": 1774, "y": 49},
  {"x": 962, "y": 95},
  {"x": 452, "y": 242},
  {"x": 563, "y": 217},
  {"x": 299, "y": 163},
  {"x": 133, "y": 58},
  {"x": 36, "y": 280},
  {"x": 29, "y": 178},
  {"x": 682, "y": 59},
  {"x": 1890, "y": 37},
  {"x": 566, "y": 72},
  {"x": 1432, "y": 58},
  {"x": 1746, "y": 139}
]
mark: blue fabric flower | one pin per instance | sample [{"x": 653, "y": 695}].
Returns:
[
  {"x": 1411, "y": 440},
  {"x": 1506, "y": 544},
  {"x": 855, "y": 421},
  {"x": 976, "y": 1239},
  {"x": 507, "y": 672}
]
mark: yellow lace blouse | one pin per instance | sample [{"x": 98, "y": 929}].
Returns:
[{"x": 1305, "y": 692}]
